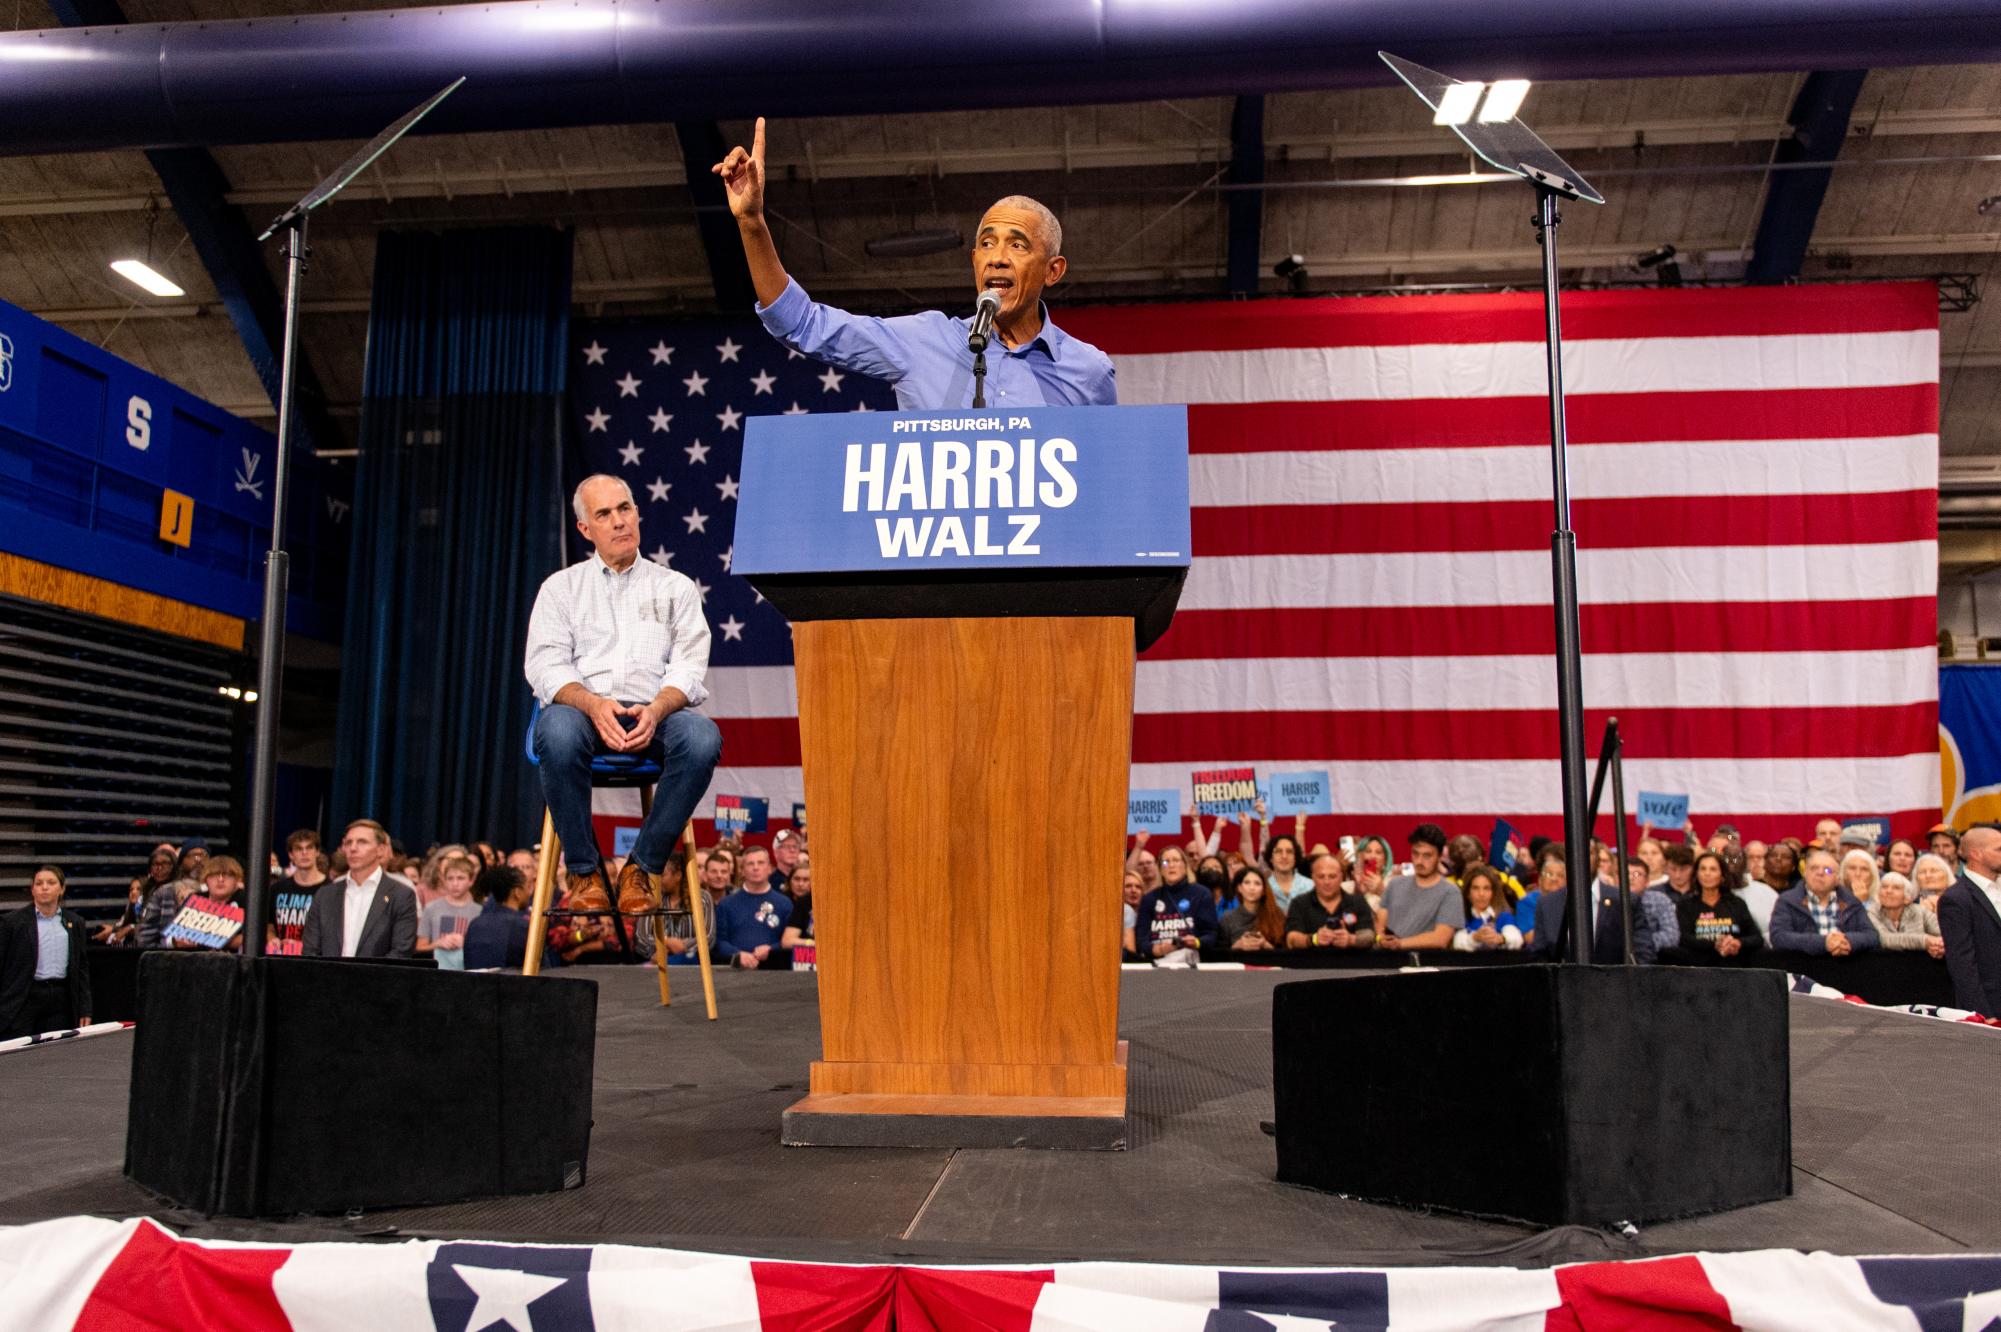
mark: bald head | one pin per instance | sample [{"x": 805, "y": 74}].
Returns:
[{"x": 1980, "y": 851}]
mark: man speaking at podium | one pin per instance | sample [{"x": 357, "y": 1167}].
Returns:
[{"x": 1017, "y": 254}]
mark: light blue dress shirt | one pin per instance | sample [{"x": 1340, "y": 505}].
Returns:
[
  {"x": 51, "y": 947},
  {"x": 924, "y": 355}
]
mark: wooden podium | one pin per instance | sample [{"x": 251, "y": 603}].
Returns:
[{"x": 966, "y": 736}]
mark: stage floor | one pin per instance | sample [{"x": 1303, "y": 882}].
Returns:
[{"x": 1893, "y": 1150}]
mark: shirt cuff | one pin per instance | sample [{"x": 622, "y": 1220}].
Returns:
[
  {"x": 689, "y": 683},
  {"x": 783, "y": 316}
]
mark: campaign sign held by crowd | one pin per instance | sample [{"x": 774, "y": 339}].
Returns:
[
  {"x": 205, "y": 923},
  {"x": 741, "y": 814},
  {"x": 798, "y": 815},
  {"x": 1033, "y": 487},
  {"x": 1153, "y": 812},
  {"x": 1225, "y": 790},
  {"x": 1877, "y": 828},
  {"x": 1302, "y": 793},
  {"x": 1666, "y": 812}
]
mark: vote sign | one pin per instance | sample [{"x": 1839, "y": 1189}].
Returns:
[
  {"x": 1664, "y": 811},
  {"x": 1033, "y": 487},
  {"x": 741, "y": 814}
]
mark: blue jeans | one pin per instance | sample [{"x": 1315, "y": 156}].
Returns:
[{"x": 686, "y": 746}]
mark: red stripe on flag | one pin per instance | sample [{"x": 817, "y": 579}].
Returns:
[
  {"x": 944, "y": 1300},
  {"x": 1268, "y": 738},
  {"x": 1601, "y": 524},
  {"x": 1376, "y": 321},
  {"x": 804, "y": 1297},
  {"x": 158, "y": 1282},
  {"x": 760, "y": 742},
  {"x": 1668, "y": 1294},
  {"x": 1450, "y": 631},
  {"x": 1592, "y": 418}
]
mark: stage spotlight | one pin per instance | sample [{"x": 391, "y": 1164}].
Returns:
[
  {"x": 1662, "y": 261},
  {"x": 1293, "y": 269}
]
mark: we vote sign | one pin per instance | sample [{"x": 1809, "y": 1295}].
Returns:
[{"x": 1035, "y": 487}]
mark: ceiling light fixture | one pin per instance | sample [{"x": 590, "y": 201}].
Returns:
[
  {"x": 1457, "y": 104},
  {"x": 1504, "y": 99},
  {"x": 143, "y": 277}
]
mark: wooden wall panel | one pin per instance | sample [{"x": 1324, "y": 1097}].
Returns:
[{"x": 93, "y": 596}]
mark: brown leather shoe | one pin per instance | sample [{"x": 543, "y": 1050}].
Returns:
[
  {"x": 588, "y": 892},
  {"x": 637, "y": 890}
]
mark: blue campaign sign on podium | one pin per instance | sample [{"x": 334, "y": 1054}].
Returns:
[{"x": 1024, "y": 488}]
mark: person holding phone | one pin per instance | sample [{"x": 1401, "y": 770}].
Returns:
[{"x": 1329, "y": 916}]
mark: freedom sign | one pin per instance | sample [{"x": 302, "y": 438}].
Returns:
[{"x": 1021, "y": 487}]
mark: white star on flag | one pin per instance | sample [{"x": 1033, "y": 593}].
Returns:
[
  {"x": 697, "y": 452},
  {"x": 728, "y": 485},
  {"x": 794, "y": 354},
  {"x": 631, "y": 453},
  {"x": 795, "y": 410},
  {"x": 594, "y": 354},
  {"x": 628, "y": 387},
  {"x": 660, "y": 418},
  {"x": 598, "y": 418},
  {"x": 732, "y": 629},
  {"x": 862, "y": 407},
  {"x": 695, "y": 383},
  {"x": 662, "y": 557},
  {"x": 504, "y": 1295},
  {"x": 662, "y": 353},
  {"x": 726, "y": 557},
  {"x": 657, "y": 488},
  {"x": 729, "y": 416},
  {"x": 762, "y": 381},
  {"x": 702, "y": 590},
  {"x": 728, "y": 349},
  {"x": 696, "y": 520},
  {"x": 831, "y": 381}
]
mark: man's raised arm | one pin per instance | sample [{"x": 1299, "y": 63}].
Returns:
[{"x": 743, "y": 185}]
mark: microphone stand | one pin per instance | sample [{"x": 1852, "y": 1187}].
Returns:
[{"x": 980, "y": 377}]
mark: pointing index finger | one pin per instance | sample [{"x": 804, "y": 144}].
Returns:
[{"x": 757, "y": 141}]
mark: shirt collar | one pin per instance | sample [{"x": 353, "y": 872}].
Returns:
[
  {"x": 369, "y": 882},
  {"x": 1978, "y": 880},
  {"x": 1051, "y": 339},
  {"x": 604, "y": 569}
]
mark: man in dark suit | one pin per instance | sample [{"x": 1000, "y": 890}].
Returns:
[
  {"x": 368, "y": 912},
  {"x": 1552, "y": 919},
  {"x": 1969, "y": 916},
  {"x": 44, "y": 970}
]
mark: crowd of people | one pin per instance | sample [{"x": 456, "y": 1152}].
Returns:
[
  {"x": 1689, "y": 900},
  {"x": 468, "y": 905}
]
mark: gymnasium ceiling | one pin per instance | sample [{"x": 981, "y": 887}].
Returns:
[{"x": 1678, "y": 159}]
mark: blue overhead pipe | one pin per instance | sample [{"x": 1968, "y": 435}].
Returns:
[{"x": 534, "y": 64}]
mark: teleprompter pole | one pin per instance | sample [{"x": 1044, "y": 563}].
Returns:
[
  {"x": 1583, "y": 875},
  {"x": 271, "y": 629}
]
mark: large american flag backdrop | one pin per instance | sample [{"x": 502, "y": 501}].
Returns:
[{"x": 1753, "y": 479}]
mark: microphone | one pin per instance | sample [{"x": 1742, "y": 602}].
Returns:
[{"x": 984, "y": 315}]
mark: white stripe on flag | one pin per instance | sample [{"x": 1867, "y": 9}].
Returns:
[
  {"x": 751, "y": 691},
  {"x": 706, "y": 1291},
  {"x": 338, "y": 1287},
  {"x": 1718, "y": 574},
  {"x": 1611, "y": 680},
  {"x": 1786, "y": 1291},
  {"x": 1517, "y": 369},
  {"x": 48, "y": 1270},
  {"x": 1600, "y": 471},
  {"x": 1532, "y": 787}
]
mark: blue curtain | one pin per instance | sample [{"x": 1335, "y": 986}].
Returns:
[{"x": 458, "y": 517}]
